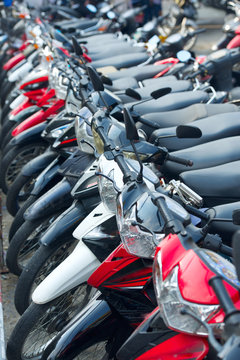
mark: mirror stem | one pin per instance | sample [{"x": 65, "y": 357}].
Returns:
[{"x": 140, "y": 174}]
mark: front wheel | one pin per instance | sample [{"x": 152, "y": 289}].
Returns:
[
  {"x": 19, "y": 192},
  {"x": 15, "y": 159},
  {"x": 192, "y": 41},
  {"x": 43, "y": 262},
  {"x": 25, "y": 243},
  {"x": 40, "y": 324}
]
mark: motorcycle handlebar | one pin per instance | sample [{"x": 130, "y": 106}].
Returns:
[
  {"x": 222, "y": 295},
  {"x": 179, "y": 160}
]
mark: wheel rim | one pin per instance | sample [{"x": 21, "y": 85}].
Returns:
[
  {"x": 30, "y": 246},
  {"x": 96, "y": 352},
  {"x": 22, "y": 158},
  {"x": 25, "y": 191},
  {"x": 52, "y": 262},
  {"x": 59, "y": 313}
]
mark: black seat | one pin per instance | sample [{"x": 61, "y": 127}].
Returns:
[
  {"x": 171, "y": 102},
  {"x": 176, "y": 86},
  {"x": 163, "y": 81},
  {"x": 217, "y": 184},
  {"x": 116, "y": 49},
  {"x": 213, "y": 127},
  {"x": 207, "y": 155},
  {"x": 121, "y": 61},
  {"x": 124, "y": 83},
  {"x": 225, "y": 228},
  {"x": 144, "y": 92},
  {"x": 152, "y": 121},
  {"x": 138, "y": 72}
]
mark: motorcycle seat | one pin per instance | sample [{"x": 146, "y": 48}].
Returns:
[
  {"x": 144, "y": 92},
  {"x": 125, "y": 60},
  {"x": 206, "y": 155},
  {"x": 214, "y": 127},
  {"x": 138, "y": 72},
  {"x": 107, "y": 52},
  {"x": 224, "y": 227},
  {"x": 170, "y": 102},
  {"x": 125, "y": 82},
  {"x": 152, "y": 121},
  {"x": 215, "y": 182}
]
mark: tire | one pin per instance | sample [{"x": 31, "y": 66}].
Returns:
[
  {"x": 39, "y": 324},
  {"x": 15, "y": 159},
  {"x": 43, "y": 262},
  {"x": 5, "y": 90},
  {"x": 19, "y": 192},
  {"x": 7, "y": 128},
  {"x": 25, "y": 243},
  {"x": 19, "y": 219},
  {"x": 191, "y": 42}
]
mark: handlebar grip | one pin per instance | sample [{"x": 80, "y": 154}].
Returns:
[
  {"x": 222, "y": 295},
  {"x": 179, "y": 160},
  {"x": 193, "y": 75},
  {"x": 91, "y": 107},
  {"x": 236, "y": 252},
  {"x": 197, "y": 31}
]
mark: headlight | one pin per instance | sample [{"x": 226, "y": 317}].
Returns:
[
  {"x": 106, "y": 188},
  {"x": 57, "y": 132},
  {"x": 61, "y": 86},
  {"x": 99, "y": 145},
  {"x": 83, "y": 131},
  {"x": 171, "y": 302},
  {"x": 137, "y": 239}
]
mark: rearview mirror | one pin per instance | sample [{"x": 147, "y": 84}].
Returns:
[
  {"x": 95, "y": 79},
  {"x": 160, "y": 92},
  {"x": 189, "y": 132},
  {"x": 132, "y": 93},
  {"x": 131, "y": 130},
  {"x": 77, "y": 48},
  {"x": 184, "y": 56}
]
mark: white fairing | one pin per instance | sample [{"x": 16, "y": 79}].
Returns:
[
  {"x": 21, "y": 72},
  {"x": 73, "y": 271},
  {"x": 77, "y": 267},
  {"x": 99, "y": 215},
  {"x": 16, "y": 102}
]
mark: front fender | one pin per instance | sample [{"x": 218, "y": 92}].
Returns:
[
  {"x": 64, "y": 225},
  {"x": 72, "y": 272},
  {"x": 55, "y": 199},
  {"x": 95, "y": 323},
  {"x": 32, "y": 134},
  {"x": 39, "y": 163}
]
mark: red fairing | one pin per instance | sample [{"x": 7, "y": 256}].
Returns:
[
  {"x": 234, "y": 43},
  {"x": 115, "y": 271},
  {"x": 196, "y": 288},
  {"x": 35, "y": 81},
  {"x": 179, "y": 347},
  {"x": 172, "y": 252},
  {"x": 237, "y": 31},
  {"x": 13, "y": 61},
  {"x": 47, "y": 96},
  {"x": 35, "y": 95},
  {"x": 38, "y": 117},
  {"x": 34, "y": 119},
  {"x": 24, "y": 105}
]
